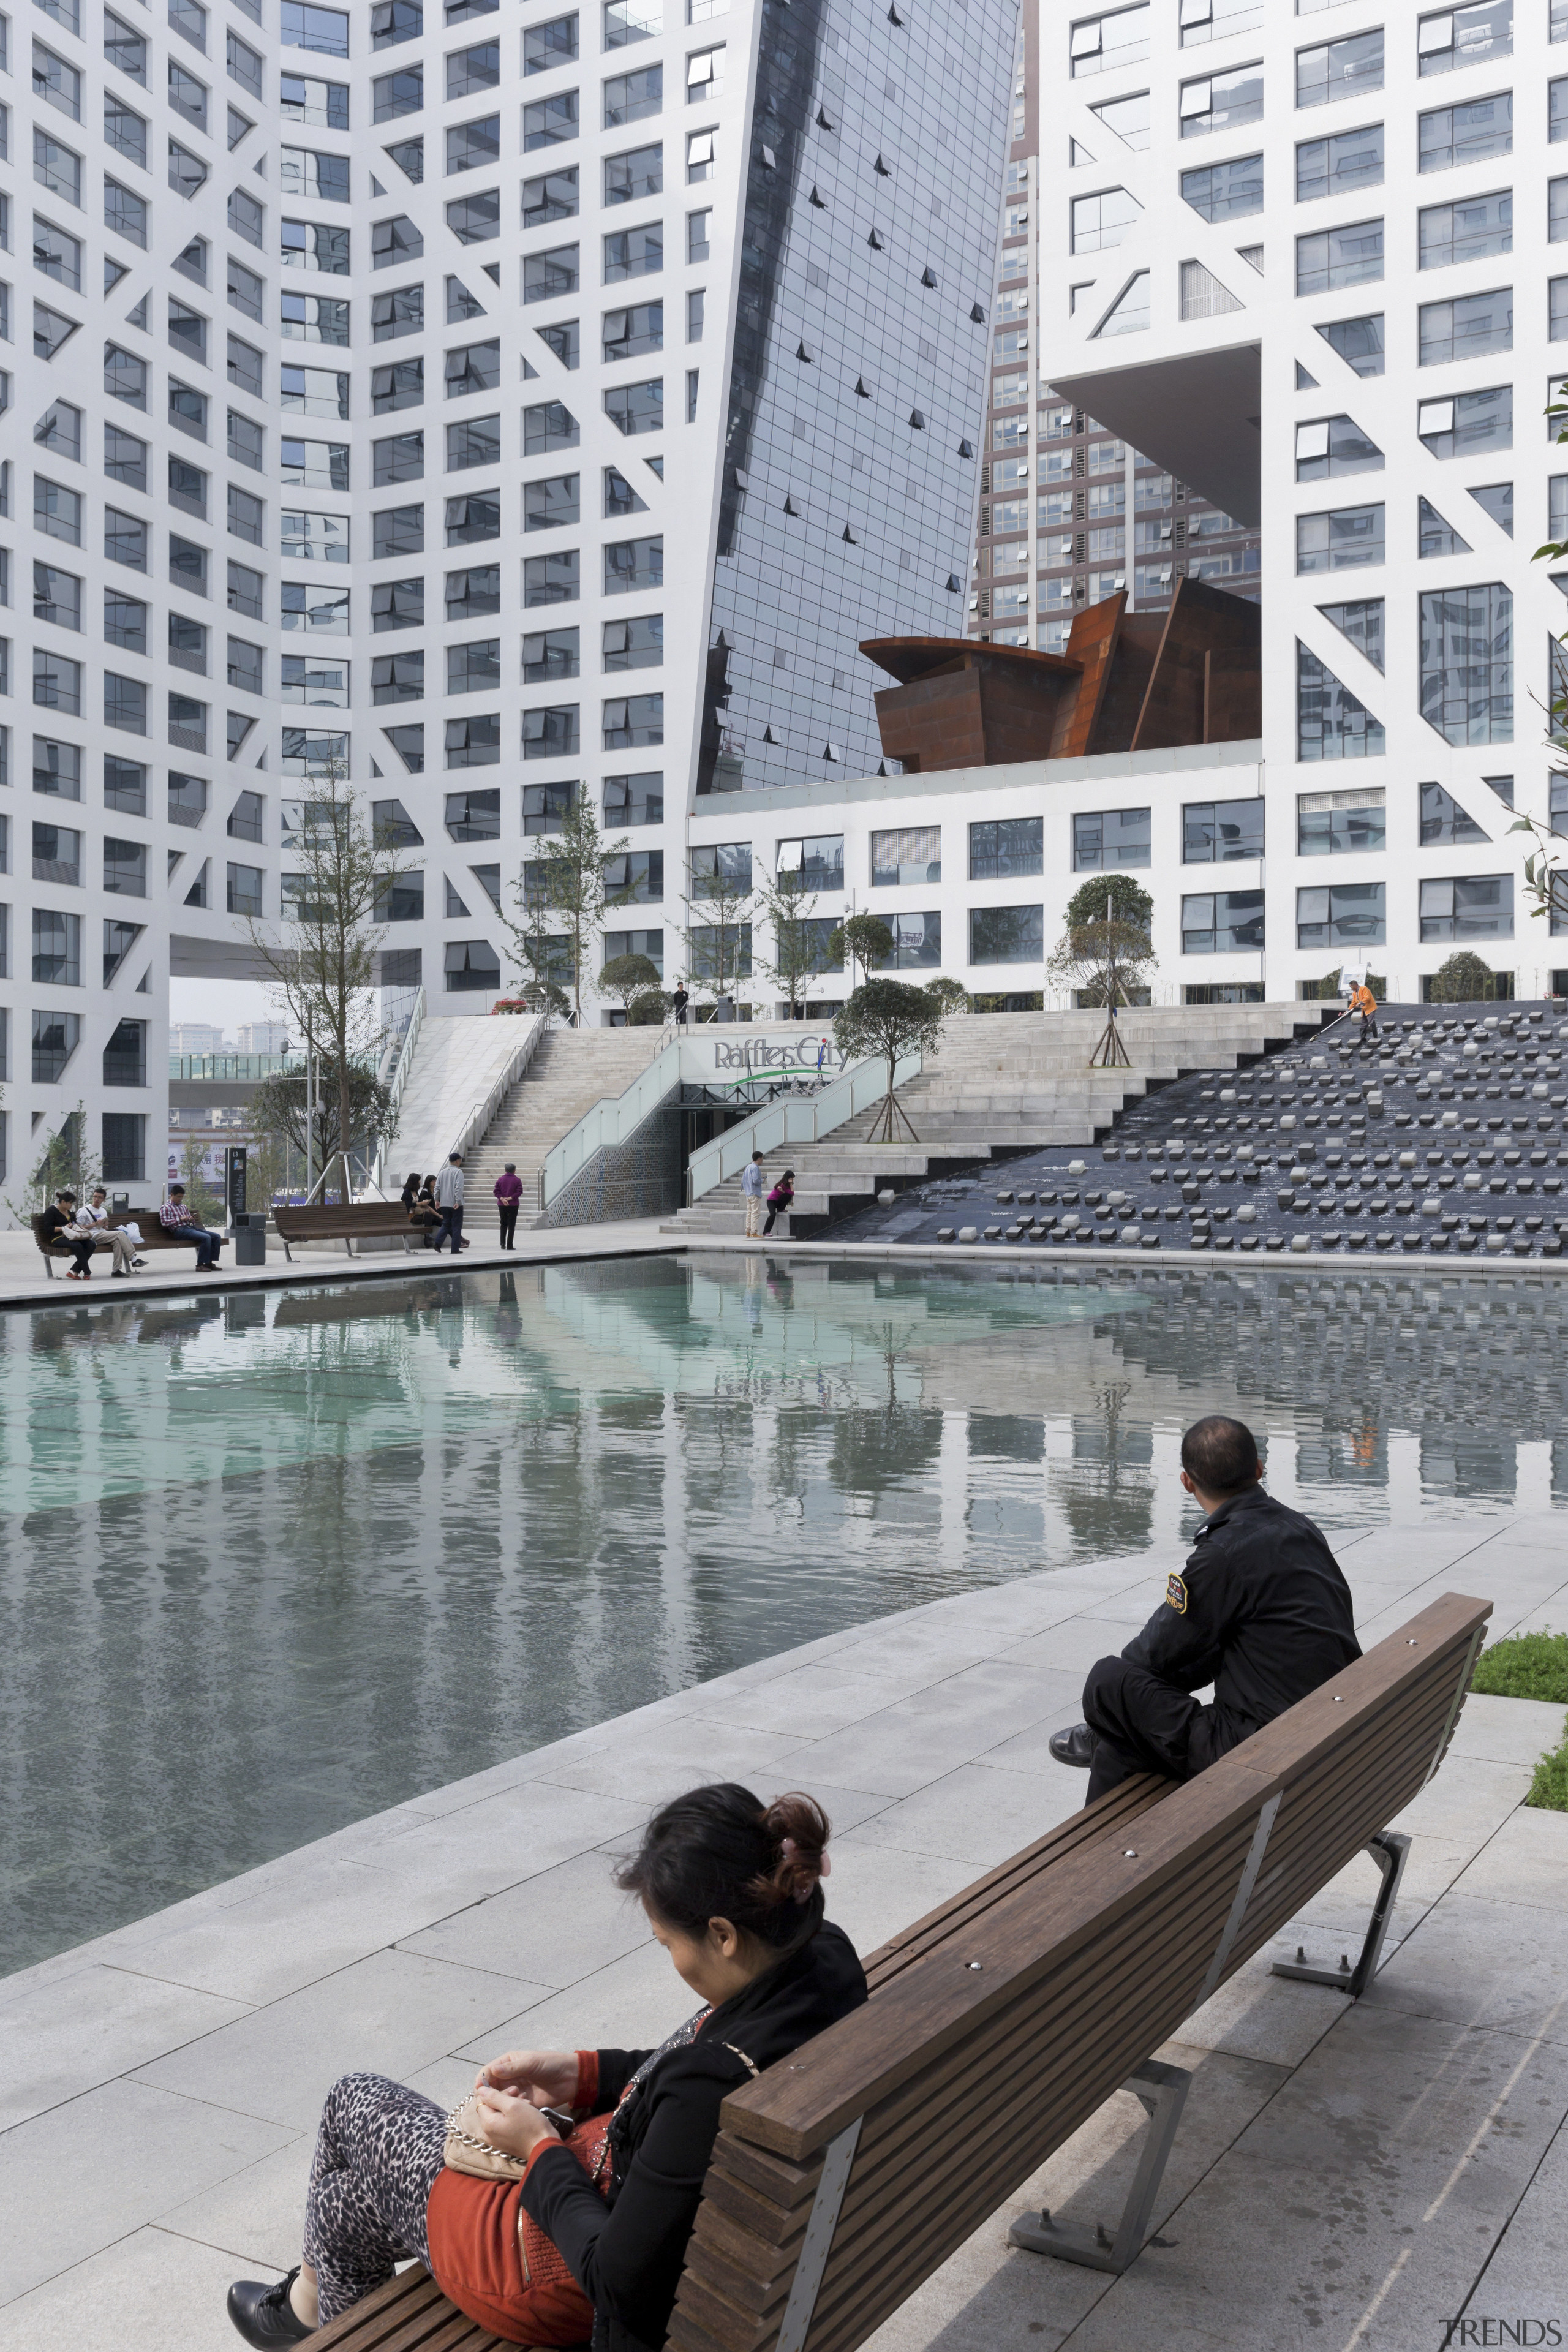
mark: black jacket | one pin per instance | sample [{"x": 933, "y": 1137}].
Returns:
[
  {"x": 1263, "y": 1612},
  {"x": 626, "y": 2251}
]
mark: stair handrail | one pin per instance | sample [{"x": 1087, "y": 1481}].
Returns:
[
  {"x": 399, "y": 1057},
  {"x": 609, "y": 1120},
  {"x": 480, "y": 1113},
  {"x": 795, "y": 1121}
]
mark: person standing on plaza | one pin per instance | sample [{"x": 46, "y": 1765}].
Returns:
[
  {"x": 751, "y": 1189},
  {"x": 679, "y": 1002},
  {"x": 450, "y": 1200},
  {"x": 1262, "y": 1611},
  {"x": 509, "y": 1192},
  {"x": 780, "y": 1200},
  {"x": 175, "y": 1218},
  {"x": 94, "y": 1213}
]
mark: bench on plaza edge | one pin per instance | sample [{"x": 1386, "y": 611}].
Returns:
[
  {"x": 361, "y": 1221},
  {"x": 998, "y": 2024},
  {"x": 153, "y": 1235}
]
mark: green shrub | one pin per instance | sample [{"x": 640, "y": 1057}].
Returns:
[
  {"x": 1525, "y": 1665},
  {"x": 1549, "y": 1789}
]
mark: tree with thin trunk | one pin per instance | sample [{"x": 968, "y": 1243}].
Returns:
[
  {"x": 565, "y": 890},
  {"x": 1105, "y": 952},
  {"x": 865, "y": 939},
  {"x": 282, "y": 1107},
  {"x": 801, "y": 937},
  {"x": 719, "y": 945},
  {"x": 320, "y": 957},
  {"x": 891, "y": 1018}
]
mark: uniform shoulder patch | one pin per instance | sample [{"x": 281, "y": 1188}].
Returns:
[{"x": 1176, "y": 1594}]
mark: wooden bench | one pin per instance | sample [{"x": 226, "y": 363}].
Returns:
[
  {"x": 361, "y": 1221},
  {"x": 154, "y": 1235},
  {"x": 1003, "y": 2019}
]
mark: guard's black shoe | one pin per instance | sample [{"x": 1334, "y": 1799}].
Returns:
[
  {"x": 1075, "y": 1745},
  {"x": 264, "y": 2314}
]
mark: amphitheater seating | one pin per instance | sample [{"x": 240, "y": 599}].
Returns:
[{"x": 1443, "y": 1136}]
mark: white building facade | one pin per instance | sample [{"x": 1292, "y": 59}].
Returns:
[{"x": 483, "y": 404}]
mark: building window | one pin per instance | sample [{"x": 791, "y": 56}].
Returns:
[
  {"x": 1005, "y": 848},
  {"x": 56, "y": 947},
  {"x": 1466, "y": 423},
  {"x": 1101, "y": 221},
  {"x": 549, "y": 121},
  {"x": 124, "y": 1132},
  {"x": 1101, "y": 44},
  {"x": 1467, "y": 230},
  {"x": 1340, "y": 824},
  {"x": 1339, "y": 165},
  {"x": 472, "y": 967},
  {"x": 474, "y": 816},
  {"x": 1468, "y": 907},
  {"x": 1332, "y": 446},
  {"x": 124, "y": 868},
  {"x": 1331, "y": 723},
  {"x": 1451, "y": 135},
  {"x": 1339, "y": 68},
  {"x": 1106, "y": 838},
  {"x": 1350, "y": 915},
  {"x": 1223, "y": 922},
  {"x": 631, "y": 722},
  {"x": 243, "y": 890},
  {"x": 1464, "y": 37},
  {"x": 631, "y": 645},
  {"x": 56, "y": 855},
  {"x": 1469, "y": 326},
  {"x": 631, "y": 96},
  {"x": 1339, "y": 256},
  {"x": 1467, "y": 663},
  {"x": 1216, "y": 832},
  {"x": 819, "y": 859},
  {"x": 1007, "y": 934},
  {"x": 56, "y": 1037},
  {"x": 909, "y": 857},
  {"x": 1222, "y": 102},
  {"x": 1342, "y": 539}
]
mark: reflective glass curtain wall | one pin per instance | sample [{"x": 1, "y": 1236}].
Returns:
[{"x": 859, "y": 363}]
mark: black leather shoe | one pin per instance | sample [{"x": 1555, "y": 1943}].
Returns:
[
  {"x": 264, "y": 2314},
  {"x": 1075, "y": 1745}
]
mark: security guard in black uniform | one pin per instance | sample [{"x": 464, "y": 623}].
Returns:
[{"x": 1263, "y": 1612}]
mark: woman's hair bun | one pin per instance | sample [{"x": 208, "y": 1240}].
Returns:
[
  {"x": 719, "y": 1853},
  {"x": 800, "y": 1830}
]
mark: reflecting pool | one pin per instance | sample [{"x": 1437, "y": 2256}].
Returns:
[{"x": 270, "y": 1562}]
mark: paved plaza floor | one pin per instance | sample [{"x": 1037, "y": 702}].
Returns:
[{"x": 1344, "y": 2177}]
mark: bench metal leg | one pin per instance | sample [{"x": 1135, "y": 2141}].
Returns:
[
  {"x": 1388, "y": 1849},
  {"x": 817, "y": 2243},
  {"x": 1161, "y": 2091}
]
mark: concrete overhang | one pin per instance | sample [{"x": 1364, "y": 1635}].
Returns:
[
  {"x": 211, "y": 1094},
  {"x": 1198, "y": 416},
  {"x": 191, "y": 958}
]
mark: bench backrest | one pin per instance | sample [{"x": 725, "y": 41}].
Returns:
[
  {"x": 999, "y": 2025},
  {"x": 307, "y": 1224}
]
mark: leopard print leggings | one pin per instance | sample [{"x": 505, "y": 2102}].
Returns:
[{"x": 377, "y": 2154}]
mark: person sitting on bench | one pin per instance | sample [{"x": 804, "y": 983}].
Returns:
[
  {"x": 60, "y": 1230},
  {"x": 175, "y": 1218},
  {"x": 95, "y": 1213},
  {"x": 557, "y": 2252},
  {"x": 1262, "y": 1611}
]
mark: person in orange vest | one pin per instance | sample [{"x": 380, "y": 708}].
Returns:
[{"x": 1363, "y": 1002}]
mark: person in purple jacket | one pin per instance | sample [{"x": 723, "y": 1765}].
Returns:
[{"x": 509, "y": 1192}]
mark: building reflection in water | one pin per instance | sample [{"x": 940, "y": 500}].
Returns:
[{"x": 270, "y": 1562}]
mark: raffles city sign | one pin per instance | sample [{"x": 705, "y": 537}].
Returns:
[{"x": 790, "y": 1055}]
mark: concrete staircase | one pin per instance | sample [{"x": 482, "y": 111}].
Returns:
[
  {"x": 1003, "y": 1082},
  {"x": 571, "y": 1069}
]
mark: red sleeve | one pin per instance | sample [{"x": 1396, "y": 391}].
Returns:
[{"x": 587, "y": 2081}]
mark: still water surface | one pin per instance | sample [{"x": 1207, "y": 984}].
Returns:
[{"x": 273, "y": 1561}]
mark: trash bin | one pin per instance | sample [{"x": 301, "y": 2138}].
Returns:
[{"x": 249, "y": 1239}]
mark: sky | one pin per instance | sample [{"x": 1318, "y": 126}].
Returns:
[{"x": 228, "y": 1002}]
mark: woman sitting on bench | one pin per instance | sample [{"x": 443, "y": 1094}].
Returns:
[
  {"x": 421, "y": 1203},
  {"x": 586, "y": 2238}
]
